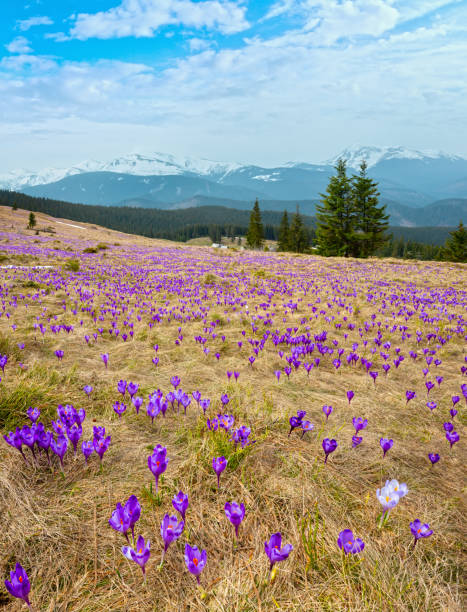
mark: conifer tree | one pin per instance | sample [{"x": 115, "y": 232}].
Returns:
[
  {"x": 255, "y": 234},
  {"x": 336, "y": 215},
  {"x": 455, "y": 248},
  {"x": 371, "y": 219},
  {"x": 283, "y": 237},
  {"x": 32, "y": 220},
  {"x": 298, "y": 237}
]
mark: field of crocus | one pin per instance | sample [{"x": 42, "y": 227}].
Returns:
[{"x": 188, "y": 429}]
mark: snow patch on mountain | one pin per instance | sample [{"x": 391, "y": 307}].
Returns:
[
  {"x": 374, "y": 155},
  {"x": 136, "y": 164}
]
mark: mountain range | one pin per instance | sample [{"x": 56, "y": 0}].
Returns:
[{"x": 418, "y": 188}]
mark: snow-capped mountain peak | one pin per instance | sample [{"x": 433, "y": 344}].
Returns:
[
  {"x": 134, "y": 163},
  {"x": 375, "y": 154}
]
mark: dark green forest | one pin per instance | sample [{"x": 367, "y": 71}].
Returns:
[{"x": 213, "y": 221}]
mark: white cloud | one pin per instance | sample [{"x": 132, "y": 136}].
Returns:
[
  {"x": 142, "y": 18},
  {"x": 198, "y": 44},
  {"x": 19, "y": 45},
  {"x": 298, "y": 95},
  {"x": 25, "y": 24}
]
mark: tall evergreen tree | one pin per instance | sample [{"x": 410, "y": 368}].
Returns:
[
  {"x": 336, "y": 215},
  {"x": 32, "y": 220},
  {"x": 255, "y": 233},
  {"x": 455, "y": 248},
  {"x": 371, "y": 219},
  {"x": 298, "y": 237},
  {"x": 283, "y": 237}
]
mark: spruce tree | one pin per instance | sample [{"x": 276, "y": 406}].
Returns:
[
  {"x": 336, "y": 215},
  {"x": 32, "y": 220},
  {"x": 255, "y": 234},
  {"x": 283, "y": 237},
  {"x": 455, "y": 248},
  {"x": 298, "y": 237},
  {"x": 371, "y": 220}
]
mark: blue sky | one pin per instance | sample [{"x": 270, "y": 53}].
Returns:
[{"x": 245, "y": 80}]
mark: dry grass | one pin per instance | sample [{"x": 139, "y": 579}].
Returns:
[{"x": 57, "y": 526}]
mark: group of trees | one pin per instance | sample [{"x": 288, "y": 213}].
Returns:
[
  {"x": 351, "y": 223},
  {"x": 294, "y": 237}
]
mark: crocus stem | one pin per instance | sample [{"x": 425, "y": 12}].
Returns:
[{"x": 383, "y": 518}]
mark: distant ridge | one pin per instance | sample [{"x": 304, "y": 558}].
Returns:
[{"x": 406, "y": 178}]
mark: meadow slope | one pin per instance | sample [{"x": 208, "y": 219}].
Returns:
[{"x": 211, "y": 313}]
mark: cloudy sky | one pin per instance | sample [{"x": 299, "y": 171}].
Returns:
[{"x": 255, "y": 81}]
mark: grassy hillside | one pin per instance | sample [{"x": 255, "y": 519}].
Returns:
[{"x": 193, "y": 313}]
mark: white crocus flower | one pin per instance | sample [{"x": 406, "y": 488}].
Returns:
[
  {"x": 400, "y": 489},
  {"x": 387, "y": 497}
]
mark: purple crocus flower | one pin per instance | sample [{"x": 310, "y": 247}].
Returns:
[
  {"x": 59, "y": 354},
  {"x": 87, "y": 389},
  {"x": 431, "y": 405},
  {"x": 410, "y": 395},
  {"x": 3, "y": 362},
  {"x": 171, "y": 530},
  {"x": 133, "y": 511},
  {"x": 74, "y": 434},
  {"x": 120, "y": 520},
  {"x": 212, "y": 424},
  {"x": 452, "y": 437},
  {"x": 14, "y": 440},
  {"x": 448, "y": 426},
  {"x": 153, "y": 409},
  {"x": 348, "y": 544},
  {"x": 59, "y": 427},
  {"x": 356, "y": 441},
  {"x": 235, "y": 513},
  {"x": 180, "y": 503},
  {"x": 196, "y": 396},
  {"x": 329, "y": 446},
  {"x": 101, "y": 445},
  {"x": 175, "y": 381},
  {"x": 218, "y": 465},
  {"x": 205, "y": 403},
  {"x": 420, "y": 530},
  {"x": 350, "y": 395},
  {"x": 434, "y": 458},
  {"x": 59, "y": 447},
  {"x": 87, "y": 448},
  {"x": 386, "y": 444},
  {"x": 225, "y": 421},
  {"x": 455, "y": 399},
  {"x": 105, "y": 358},
  {"x": 132, "y": 389},
  {"x": 33, "y": 414},
  {"x": 296, "y": 421},
  {"x": 121, "y": 386},
  {"x": 19, "y": 585},
  {"x": 137, "y": 403},
  {"x": 225, "y": 399},
  {"x": 307, "y": 426},
  {"x": 453, "y": 412},
  {"x": 119, "y": 408},
  {"x": 140, "y": 554},
  {"x": 157, "y": 462},
  {"x": 327, "y": 411},
  {"x": 359, "y": 423},
  {"x": 274, "y": 551},
  {"x": 195, "y": 560}
]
